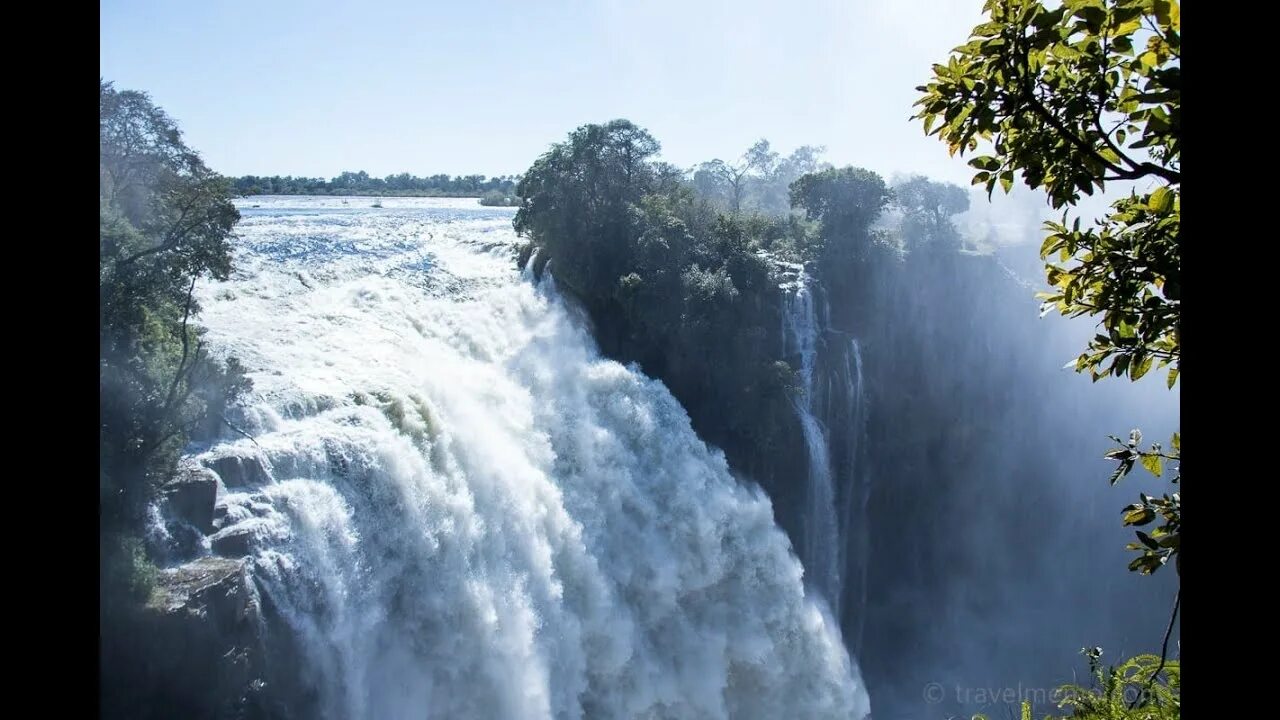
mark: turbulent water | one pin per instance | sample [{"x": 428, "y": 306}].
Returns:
[{"x": 467, "y": 512}]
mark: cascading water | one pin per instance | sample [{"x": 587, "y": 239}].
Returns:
[
  {"x": 835, "y": 538},
  {"x": 822, "y": 539},
  {"x": 855, "y": 538},
  {"x": 463, "y": 511}
]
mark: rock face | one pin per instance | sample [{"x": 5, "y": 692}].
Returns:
[
  {"x": 191, "y": 495},
  {"x": 196, "y": 650},
  {"x": 239, "y": 471},
  {"x": 233, "y": 542},
  {"x": 219, "y": 516}
]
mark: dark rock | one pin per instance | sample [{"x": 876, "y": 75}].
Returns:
[
  {"x": 190, "y": 496},
  {"x": 206, "y": 586},
  {"x": 196, "y": 650},
  {"x": 185, "y": 542},
  {"x": 239, "y": 471},
  {"x": 233, "y": 542},
  {"x": 219, "y": 516}
]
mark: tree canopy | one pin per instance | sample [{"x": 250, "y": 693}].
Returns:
[
  {"x": 846, "y": 201},
  {"x": 927, "y": 208},
  {"x": 759, "y": 181}
]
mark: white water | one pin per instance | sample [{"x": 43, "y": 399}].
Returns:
[
  {"x": 470, "y": 513},
  {"x": 857, "y": 500},
  {"x": 822, "y": 546}
]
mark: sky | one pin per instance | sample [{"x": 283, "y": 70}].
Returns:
[{"x": 315, "y": 88}]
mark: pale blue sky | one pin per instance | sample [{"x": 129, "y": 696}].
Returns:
[{"x": 314, "y": 88}]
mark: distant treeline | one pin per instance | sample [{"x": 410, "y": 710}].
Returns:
[{"x": 361, "y": 183}]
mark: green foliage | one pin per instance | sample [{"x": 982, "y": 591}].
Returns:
[
  {"x": 725, "y": 181},
  {"x": 1072, "y": 97},
  {"x": 1164, "y": 542},
  {"x": 849, "y": 195},
  {"x": 846, "y": 201},
  {"x": 582, "y": 200},
  {"x": 1145, "y": 687},
  {"x": 672, "y": 272},
  {"x": 165, "y": 220},
  {"x": 1065, "y": 94},
  {"x": 126, "y": 582},
  {"x": 664, "y": 274},
  {"x": 361, "y": 183},
  {"x": 125, "y": 565},
  {"x": 1129, "y": 272}
]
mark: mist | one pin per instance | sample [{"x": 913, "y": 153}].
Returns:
[{"x": 996, "y": 556}]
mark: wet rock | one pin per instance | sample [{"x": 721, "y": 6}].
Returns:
[
  {"x": 185, "y": 543},
  {"x": 239, "y": 471},
  {"x": 196, "y": 650},
  {"x": 190, "y": 496},
  {"x": 220, "y": 516},
  {"x": 233, "y": 542}
]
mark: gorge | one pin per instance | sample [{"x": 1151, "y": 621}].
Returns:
[{"x": 622, "y": 453}]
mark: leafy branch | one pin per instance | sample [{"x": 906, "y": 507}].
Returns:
[{"x": 1164, "y": 543}]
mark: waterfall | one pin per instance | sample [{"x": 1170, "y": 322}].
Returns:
[
  {"x": 463, "y": 511},
  {"x": 802, "y": 333},
  {"x": 856, "y": 539},
  {"x": 831, "y": 409}
]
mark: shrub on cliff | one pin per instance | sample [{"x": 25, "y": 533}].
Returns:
[{"x": 667, "y": 280}]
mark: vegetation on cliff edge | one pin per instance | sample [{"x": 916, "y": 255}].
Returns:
[{"x": 165, "y": 220}]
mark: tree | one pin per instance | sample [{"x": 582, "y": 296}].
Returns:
[
  {"x": 761, "y": 157},
  {"x": 928, "y": 208},
  {"x": 165, "y": 221},
  {"x": 802, "y": 161},
  {"x": 719, "y": 177},
  {"x": 846, "y": 201},
  {"x": 732, "y": 177},
  {"x": 362, "y": 183},
  {"x": 579, "y": 197},
  {"x": 759, "y": 181},
  {"x": 663, "y": 275},
  {"x": 1071, "y": 98},
  {"x": 1113, "y": 691},
  {"x": 771, "y": 191}
]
